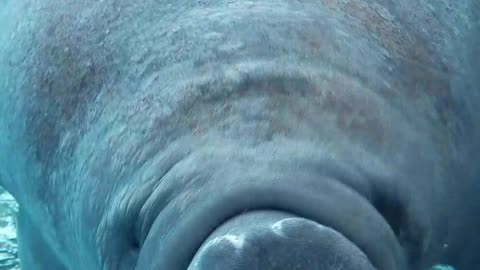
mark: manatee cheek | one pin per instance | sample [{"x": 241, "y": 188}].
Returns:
[{"x": 272, "y": 240}]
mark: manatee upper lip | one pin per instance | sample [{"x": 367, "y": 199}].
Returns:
[{"x": 178, "y": 228}]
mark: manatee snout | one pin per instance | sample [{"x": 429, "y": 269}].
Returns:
[
  {"x": 275, "y": 240},
  {"x": 289, "y": 219}
]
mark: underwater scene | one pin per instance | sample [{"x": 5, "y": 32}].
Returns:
[
  {"x": 239, "y": 135},
  {"x": 8, "y": 239}
]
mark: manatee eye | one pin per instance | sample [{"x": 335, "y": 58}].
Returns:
[
  {"x": 407, "y": 231},
  {"x": 392, "y": 210},
  {"x": 134, "y": 242}
]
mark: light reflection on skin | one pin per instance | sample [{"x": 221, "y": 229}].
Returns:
[{"x": 442, "y": 267}]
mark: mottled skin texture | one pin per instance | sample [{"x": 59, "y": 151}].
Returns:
[{"x": 129, "y": 129}]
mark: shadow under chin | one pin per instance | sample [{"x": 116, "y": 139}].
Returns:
[{"x": 266, "y": 240}]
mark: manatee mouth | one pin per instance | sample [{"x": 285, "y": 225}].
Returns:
[{"x": 305, "y": 223}]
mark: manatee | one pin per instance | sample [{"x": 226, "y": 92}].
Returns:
[{"x": 267, "y": 134}]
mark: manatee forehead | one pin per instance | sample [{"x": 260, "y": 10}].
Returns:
[
  {"x": 90, "y": 56},
  {"x": 248, "y": 70}
]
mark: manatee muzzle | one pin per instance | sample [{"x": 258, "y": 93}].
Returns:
[
  {"x": 275, "y": 240},
  {"x": 301, "y": 220}
]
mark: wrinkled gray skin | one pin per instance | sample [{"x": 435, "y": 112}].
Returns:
[{"x": 268, "y": 134}]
